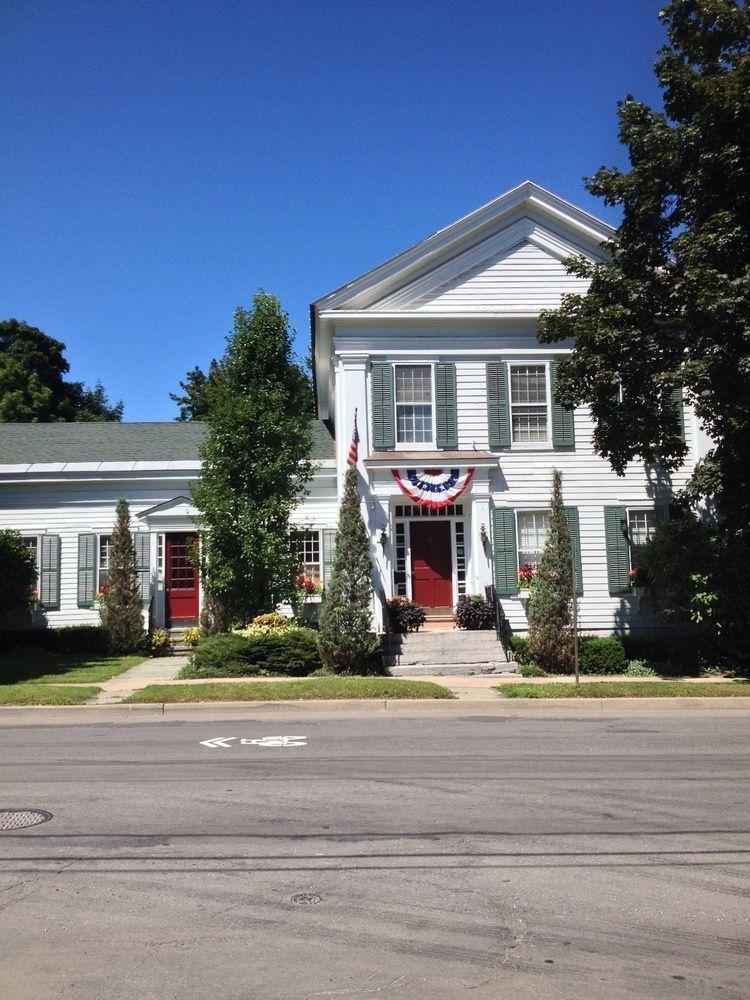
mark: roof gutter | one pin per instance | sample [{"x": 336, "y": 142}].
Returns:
[{"x": 314, "y": 360}]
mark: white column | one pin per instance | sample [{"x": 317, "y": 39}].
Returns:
[{"x": 479, "y": 555}]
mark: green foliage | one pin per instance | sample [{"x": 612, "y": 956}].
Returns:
[
  {"x": 271, "y": 622},
  {"x": 530, "y": 670},
  {"x": 672, "y": 309},
  {"x": 519, "y": 646},
  {"x": 404, "y": 615},
  {"x": 473, "y": 613},
  {"x": 71, "y": 639},
  {"x": 290, "y": 652},
  {"x": 345, "y": 639},
  {"x": 120, "y": 608},
  {"x": 160, "y": 642},
  {"x": 18, "y": 578},
  {"x": 254, "y": 466},
  {"x": 639, "y": 668},
  {"x": 191, "y": 637},
  {"x": 32, "y": 383},
  {"x": 194, "y": 402},
  {"x": 550, "y": 604},
  {"x": 602, "y": 655}
]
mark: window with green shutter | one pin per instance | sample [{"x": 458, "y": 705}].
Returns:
[
  {"x": 445, "y": 397},
  {"x": 498, "y": 415},
  {"x": 87, "y": 554},
  {"x": 618, "y": 549},
  {"x": 563, "y": 432},
  {"x": 505, "y": 559},
  {"x": 679, "y": 407},
  {"x": 329, "y": 552},
  {"x": 383, "y": 425},
  {"x": 49, "y": 572},
  {"x": 142, "y": 544}
]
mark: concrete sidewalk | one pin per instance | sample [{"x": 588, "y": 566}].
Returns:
[{"x": 156, "y": 670}]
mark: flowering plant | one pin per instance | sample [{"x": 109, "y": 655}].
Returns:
[
  {"x": 527, "y": 575},
  {"x": 638, "y": 576},
  {"x": 100, "y": 595},
  {"x": 33, "y": 596},
  {"x": 306, "y": 583}
]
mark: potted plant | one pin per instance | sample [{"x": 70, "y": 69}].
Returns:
[
  {"x": 638, "y": 580},
  {"x": 404, "y": 615},
  {"x": 527, "y": 575}
]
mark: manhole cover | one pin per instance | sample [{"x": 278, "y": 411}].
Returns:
[
  {"x": 15, "y": 819},
  {"x": 305, "y": 898}
]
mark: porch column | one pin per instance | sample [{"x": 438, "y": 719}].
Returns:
[{"x": 480, "y": 565}]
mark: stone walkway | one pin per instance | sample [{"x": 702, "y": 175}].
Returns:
[{"x": 158, "y": 669}]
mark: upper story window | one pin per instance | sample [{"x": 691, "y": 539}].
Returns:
[
  {"x": 642, "y": 525},
  {"x": 529, "y": 404},
  {"x": 414, "y": 404},
  {"x": 533, "y": 528}
]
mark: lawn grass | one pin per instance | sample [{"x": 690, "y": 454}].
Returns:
[
  {"x": 627, "y": 689},
  {"x": 39, "y": 667},
  {"x": 316, "y": 688},
  {"x": 45, "y": 694}
]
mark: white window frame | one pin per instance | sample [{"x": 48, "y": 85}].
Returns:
[
  {"x": 37, "y": 553},
  {"x": 99, "y": 567},
  {"x": 661, "y": 510},
  {"x": 301, "y": 530},
  {"x": 453, "y": 519},
  {"x": 526, "y": 510},
  {"x": 530, "y": 445},
  {"x": 416, "y": 445}
]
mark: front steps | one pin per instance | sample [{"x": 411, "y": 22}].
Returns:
[
  {"x": 178, "y": 647},
  {"x": 448, "y": 652}
]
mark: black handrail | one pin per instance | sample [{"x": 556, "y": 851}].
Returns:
[{"x": 502, "y": 625}]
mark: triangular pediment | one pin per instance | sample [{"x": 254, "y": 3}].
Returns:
[{"x": 179, "y": 507}]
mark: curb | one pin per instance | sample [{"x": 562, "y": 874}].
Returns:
[{"x": 14, "y": 715}]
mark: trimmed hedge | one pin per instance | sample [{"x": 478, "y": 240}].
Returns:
[
  {"x": 602, "y": 654},
  {"x": 292, "y": 652},
  {"x": 70, "y": 639}
]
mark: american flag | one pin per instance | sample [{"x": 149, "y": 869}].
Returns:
[{"x": 353, "y": 455}]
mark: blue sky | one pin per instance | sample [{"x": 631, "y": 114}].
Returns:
[{"x": 164, "y": 160}]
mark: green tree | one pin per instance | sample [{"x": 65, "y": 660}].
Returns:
[
  {"x": 550, "y": 604},
  {"x": 255, "y": 464},
  {"x": 32, "y": 383},
  {"x": 121, "y": 607},
  {"x": 18, "y": 576},
  {"x": 193, "y": 403},
  {"x": 345, "y": 639}
]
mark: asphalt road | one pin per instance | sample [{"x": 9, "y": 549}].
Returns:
[{"x": 430, "y": 858}]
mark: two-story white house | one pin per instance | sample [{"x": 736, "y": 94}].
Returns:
[{"x": 436, "y": 352}]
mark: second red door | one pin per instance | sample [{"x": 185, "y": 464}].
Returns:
[{"x": 431, "y": 563}]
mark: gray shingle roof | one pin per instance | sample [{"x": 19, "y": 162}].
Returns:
[{"x": 22, "y": 444}]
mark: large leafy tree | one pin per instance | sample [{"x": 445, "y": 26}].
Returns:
[
  {"x": 33, "y": 385},
  {"x": 671, "y": 310},
  {"x": 255, "y": 464},
  {"x": 193, "y": 402},
  {"x": 346, "y": 641}
]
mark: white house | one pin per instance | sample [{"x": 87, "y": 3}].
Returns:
[{"x": 436, "y": 350}]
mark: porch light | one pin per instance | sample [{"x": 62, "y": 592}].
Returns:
[
  {"x": 483, "y": 534},
  {"x": 383, "y": 537}
]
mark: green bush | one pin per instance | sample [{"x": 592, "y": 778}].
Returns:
[
  {"x": 474, "y": 612},
  {"x": 519, "y": 646},
  {"x": 530, "y": 670},
  {"x": 639, "y": 668},
  {"x": 160, "y": 642},
  {"x": 71, "y": 639},
  {"x": 292, "y": 652},
  {"x": 404, "y": 615},
  {"x": 602, "y": 655}
]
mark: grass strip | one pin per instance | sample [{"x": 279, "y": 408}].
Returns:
[
  {"x": 38, "y": 667},
  {"x": 627, "y": 689},
  {"x": 45, "y": 694},
  {"x": 312, "y": 689}
]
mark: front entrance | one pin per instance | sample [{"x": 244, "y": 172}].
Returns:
[
  {"x": 431, "y": 563},
  {"x": 181, "y": 579}
]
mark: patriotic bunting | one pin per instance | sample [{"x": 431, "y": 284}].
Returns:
[{"x": 433, "y": 488}]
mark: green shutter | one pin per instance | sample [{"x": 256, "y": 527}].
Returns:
[
  {"x": 679, "y": 406},
  {"x": 571, "y": 514},
  {"x": 49, "y": 572},
  {"x": 498, "y": 415},
  {"x": 329, "y": 550},
  {"x": 86, "y": 569},
  {"x": 445, "y": 395},
  {"x": 504, "y": 551},
  {"x": 383, "y": 426},
  {"x": 142, "y": 544},
  {"x": 618, "y": 549},
  {"x": 563, "y": 434}
]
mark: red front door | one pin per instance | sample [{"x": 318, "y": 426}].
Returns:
[
  {"x": 181, "y": 579},
  {"x": 431, "y": 563}
]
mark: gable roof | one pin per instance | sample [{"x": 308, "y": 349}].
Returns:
[{"x": 114, "y": 442}]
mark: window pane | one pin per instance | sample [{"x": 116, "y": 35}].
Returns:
[
  {"x": 308, "y": 553},
  {"x": 528, "y": 384},
  {"x": 413, "y": 384},
  {"x": 31, "y": 543},
  {"x": 414, "y": 423},
  {"x": 530, "y": 424},
  {"x": 103, "y": 561},
  {"x": 533, "y": 527},
  {"x": 528, "y": 402},
  {"x": 641, "y": 528}
]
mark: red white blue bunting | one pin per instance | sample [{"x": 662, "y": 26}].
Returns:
[{"x": 433, "y": 488}]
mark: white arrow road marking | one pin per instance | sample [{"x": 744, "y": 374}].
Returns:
[{"x": 218, "y": 741}]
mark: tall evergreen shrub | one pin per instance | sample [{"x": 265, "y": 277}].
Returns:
[
  {"x": 550, "y": 605},
  {"x": 121, "y": 609},
  {"x": 345, "y": 639}
]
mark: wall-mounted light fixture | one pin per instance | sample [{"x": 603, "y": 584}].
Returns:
[
  {"x": 483, "y": 534},
  {"x": 384, "y": 537}
]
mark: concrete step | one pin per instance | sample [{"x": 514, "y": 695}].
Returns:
[
  {"x": 455, "y": 647},
  {"x": 454, "y": 669}
]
